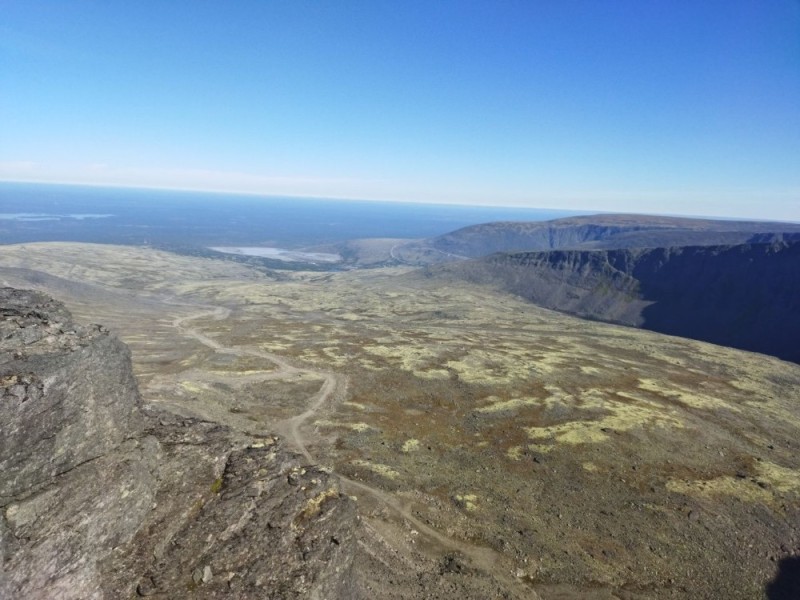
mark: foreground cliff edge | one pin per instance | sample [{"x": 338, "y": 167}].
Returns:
[{"x": 101, "y": 498}]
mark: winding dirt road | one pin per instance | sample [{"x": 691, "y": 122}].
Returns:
[
  {"x": 334, "y": 387},
  {"x": 333, "y": 384}
]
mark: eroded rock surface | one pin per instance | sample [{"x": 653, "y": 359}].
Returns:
[
  {"x": 67, "y": 392},
  {"x": 237, "y": 519},
  {"x": 101, "y": 498}
]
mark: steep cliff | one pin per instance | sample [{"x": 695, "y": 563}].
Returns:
[
  {"x": 68, "y": 393},
  {"x": 746, "y": 296},
  {"x": 102, "y": 498}
]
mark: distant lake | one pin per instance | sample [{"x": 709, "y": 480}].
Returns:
[
  {"x": 35, "y": 212},
  {"x": 46, "y": 217},
  {"x": 279, "y": 254}
]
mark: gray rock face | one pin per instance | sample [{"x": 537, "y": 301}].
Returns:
[
  {"x": 78, "y": 477},
  {"x": 266, "y": 527},
  {"x": 67, "y": 392},
  {"x": 103, "y": 498},
  {"x": 53, "y": 540}
]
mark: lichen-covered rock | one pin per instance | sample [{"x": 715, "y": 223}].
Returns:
[
  {"x": 67, "y": 392},
  {"x": 104, "y": 498},
  {"x": 78, "y": 478},
  {"x": 239, "y": 519},
  {"x": 54, "y": 539}
]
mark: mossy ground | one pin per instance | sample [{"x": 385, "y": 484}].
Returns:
[{"x": 587, "y": 455}]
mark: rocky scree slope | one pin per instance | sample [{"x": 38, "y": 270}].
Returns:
[
  {"x": 745, "y": 296},
  {"x": 604, "y": 232},
  {"x": 104, "y": 498}
]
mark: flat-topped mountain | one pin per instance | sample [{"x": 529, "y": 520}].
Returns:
[
  {"x": 745, "y": 296},
  {"x": 604, "y": 231},
  {"x": 591, "y": 232}
]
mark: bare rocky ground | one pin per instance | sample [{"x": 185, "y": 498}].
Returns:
[
  {"x": 494, "y": 449},
  {"x": 105, "y": 498}
]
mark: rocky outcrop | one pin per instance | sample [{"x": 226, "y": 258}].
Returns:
[
  {"x": 103, "y": 498},
  {"x": 68, "y": 395},
  {"x": 78, "y": 475},
  {"x": 745, "y": 296},
  {"x": 236, "y": 518}
]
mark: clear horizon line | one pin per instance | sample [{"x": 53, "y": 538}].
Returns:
[
  {"x": 299, "y": 196},
  {"x": 575, "y": 212}
]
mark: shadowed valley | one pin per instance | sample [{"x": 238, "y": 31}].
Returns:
[{"x": 745, "y": 296}]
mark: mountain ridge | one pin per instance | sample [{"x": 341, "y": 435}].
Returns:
[
  {"x": 606, "y": 232},
  {"x": 745, "y": 296}
]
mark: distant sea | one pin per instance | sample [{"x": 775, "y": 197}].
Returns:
[{"x": 38, "y": 212}]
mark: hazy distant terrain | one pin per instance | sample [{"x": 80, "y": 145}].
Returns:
[
  {"x": 592, "y": 232},
  {"x": 181, "y": 220}
]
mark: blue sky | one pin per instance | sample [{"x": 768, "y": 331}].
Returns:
[{"x": 647, "y": 106}]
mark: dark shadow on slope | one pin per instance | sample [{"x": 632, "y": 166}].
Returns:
[
  {"x": 745, "y": 296},
  {"x": 786, "y": 585}
]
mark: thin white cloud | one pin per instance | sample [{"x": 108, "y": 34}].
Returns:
[
  {"x": 16, "y": 168},
  {"x": 192, "y": 179}
]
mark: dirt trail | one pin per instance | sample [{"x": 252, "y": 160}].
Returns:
[
  {"x": 480, "y": 557},
  {"x": 335, "y": 385}
]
